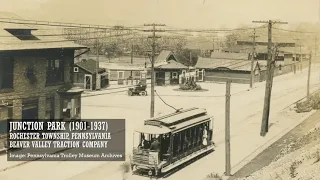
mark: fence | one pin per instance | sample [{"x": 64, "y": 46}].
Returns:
[
  {"x": 223, "y": 79},
  {"x": 128, "y": 81},
  {"x": 285, "y": 69}
]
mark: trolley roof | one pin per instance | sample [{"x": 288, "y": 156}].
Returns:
[
  {"x": 175, "y": 121},
  {"x": 178, "y": 116},
  {"x": 148, "y": 129}
]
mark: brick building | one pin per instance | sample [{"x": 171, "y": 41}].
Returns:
[{"x": 36, "y": 76}]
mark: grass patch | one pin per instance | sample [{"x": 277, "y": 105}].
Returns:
[{"x": 214, "y": 176}]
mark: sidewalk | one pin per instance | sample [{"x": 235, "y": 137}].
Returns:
[{"x": 259, "y": 161}]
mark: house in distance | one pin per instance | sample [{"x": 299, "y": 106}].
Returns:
[{"x": 85, "y": 75}]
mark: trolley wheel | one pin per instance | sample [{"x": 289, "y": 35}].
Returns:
[
  {"x": 143, "y": 93},
  {"x": 130, "y": 93}
]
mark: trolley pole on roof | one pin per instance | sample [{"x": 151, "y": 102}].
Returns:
[
  {"x": 154, "y": 37},
  {"x": 227, "y": 130}
]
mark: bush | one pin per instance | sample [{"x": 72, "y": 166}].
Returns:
[
  {"x": 304, "y": 106},
  {"x": 184, "y": 87},
  {"x": 190, "y": 85},
  {"x": 308, "y": 105},
  {"x": 214, "y": 176},
  {"x": 293, "y": 169},
  {"x": 198, "y": 87}
]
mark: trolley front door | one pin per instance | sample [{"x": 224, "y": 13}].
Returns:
[{"x": 201, "y": 75}]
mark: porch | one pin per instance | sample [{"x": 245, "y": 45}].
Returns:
[
  {"x": 168, "y": 77},
  {"x": 169, "y": 73}
]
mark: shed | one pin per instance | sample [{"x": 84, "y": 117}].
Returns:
[
  {"x": 85, "y": 75},
  {"x": 168, "y": 69}
]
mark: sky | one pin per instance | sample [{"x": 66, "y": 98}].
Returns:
[{"x": 173, "y": 13}]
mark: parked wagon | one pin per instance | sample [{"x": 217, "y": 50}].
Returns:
[{"x": 165, "y": 143}]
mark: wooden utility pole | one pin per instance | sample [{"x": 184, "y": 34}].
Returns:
[
  {"x": 295, "y": 59},
  {"x": 252, "y": 57},
  {"x": 213, "y": 44},
  {"x": 309, "y": 73},
  {"x": 154, "y": 37},
  {"x": 97, "y": 61},
  {"x": 315, "y": 52},
  {"x": 131, "y": 58},
  {"x": 300, "y": 59},
  {"x": 269, "y": 80},
  {"x": 190, "y": 56},
  {"x": 227, "y": 130}
]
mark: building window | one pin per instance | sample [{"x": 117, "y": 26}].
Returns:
[
  {"x": 50, "y": 108},
  {"x": 55, "y": 72},
  {"x": 175, "y": 75},
  {"x": 6, "y": 73},
  {"x": 71, "y": 108},
  {"x": 137, "y": 73},
  {"x": 120, "y": 74}
]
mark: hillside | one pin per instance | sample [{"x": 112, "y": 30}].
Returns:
[{"x": 299, "y": 160}]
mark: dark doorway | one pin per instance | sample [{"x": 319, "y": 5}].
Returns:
[
  {"x": 88, "y": 82},
  {"x": 30, "y": 110}
]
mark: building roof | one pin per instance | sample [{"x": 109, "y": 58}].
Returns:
[
  {"x": 123, "y": 67},
  {"x": 43, "y": 39},
  {"x": 164, "y": 56},
  {"x": 230, "y": 56},
  {"x": 89, "y": 65},
  {"x": 293, "y": 50},
  {"x": 122, "y": 61},
  {"x": 172, "y": 64},
  {"x": 230, "y": 64},
  {"x": 247, "y": 48}
]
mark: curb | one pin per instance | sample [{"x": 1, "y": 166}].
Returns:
[{"x": 260, "y": 149}]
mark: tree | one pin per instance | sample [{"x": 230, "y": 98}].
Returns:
[
  {"x": 231, "y": 40},
  {"x": 184, "y": 57}
]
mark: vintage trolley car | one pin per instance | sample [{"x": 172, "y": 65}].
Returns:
[{"x": 166, "y": 142}]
